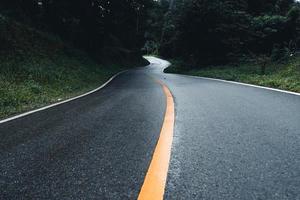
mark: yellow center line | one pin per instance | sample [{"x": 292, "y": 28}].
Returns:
[{"x": 155, "y": 181}]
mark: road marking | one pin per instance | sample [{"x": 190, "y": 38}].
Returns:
[
  {"x": 62, "y": 102},
  {"x": 244, "y": 84},
  {"x": 167, "y": 64},
  {"x": 155, "y": 181}
]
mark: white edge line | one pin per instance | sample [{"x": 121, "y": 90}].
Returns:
[
  {"x": 62, "y": 102},
  {"x": 232, "y": 82},
  {"x": 244, "y": 84}
]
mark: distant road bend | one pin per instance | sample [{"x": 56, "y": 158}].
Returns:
[{"x": 229, "y": 141}]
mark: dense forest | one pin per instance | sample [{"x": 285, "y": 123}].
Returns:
[
  {"x": 220, "y": 31},
  {"x": 198, "y": 31},
  {"x": 97, "y": 26},
  {"x": 51, "y": 50}
]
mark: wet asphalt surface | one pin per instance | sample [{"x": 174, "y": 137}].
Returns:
[
  {"x": 230, "y": 142},
  {"x": 97, "y": 147}
]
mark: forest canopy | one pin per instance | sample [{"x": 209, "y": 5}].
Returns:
[
  {"x": 98, "y": 26},
  {"x": 198, "y": 31},
  {"x": 220, "y": 31}
]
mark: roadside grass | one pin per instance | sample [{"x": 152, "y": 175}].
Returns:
[
  {"x": 37, "y": 81},
  {"x": 37, "y": 69},
  {"x": 284, "y": 76}
]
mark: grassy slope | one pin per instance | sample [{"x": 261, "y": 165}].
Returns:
[
  {"x": 37, "y": 69},
  {"x": 283, "y": 76}
]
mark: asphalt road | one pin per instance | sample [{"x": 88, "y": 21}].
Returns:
[{"x": 230, "y": 142}]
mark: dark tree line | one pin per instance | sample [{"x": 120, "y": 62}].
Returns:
[
  {"x": 98, "y": 26},
  {"x": 198, "y": 31},
  {"x": 220, "y": 31}
]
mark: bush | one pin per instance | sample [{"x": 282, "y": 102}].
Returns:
[
  {"x": 279, "y": 53},
  {"x": 294, "y": 13}
]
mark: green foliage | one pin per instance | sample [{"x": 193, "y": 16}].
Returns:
[
  {"x": 284, "y": 75},
  {"x": 280, "y": 54},
  {"x": 151, "y": 47},
  {"x": 294, "y": 13},
  {"x": 38, "y": 68},
  {"x": 39, "y": 81},
  {"x": 92, "y": 25},
  {"x": 269, "y": 24},
  {"x": 204, "y": 32}
]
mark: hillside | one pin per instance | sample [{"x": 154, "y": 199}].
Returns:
[
  {"x": 38, "y": 68},
  {"x": 284, "y": 75}
]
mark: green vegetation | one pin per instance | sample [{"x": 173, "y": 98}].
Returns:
[
  {"x": 206, "y": 36},
  {"x": 38, "y": 68},
  {"x": 214, "y": 32},
  {"x": 51, "y": 50},
  {"x": 39, "y": 81},
  {"x": 100, "y": 27},
  {"x": 284, "y": 76}
]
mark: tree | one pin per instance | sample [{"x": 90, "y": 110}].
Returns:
[
  {"x": 95, "y": 25},
  {"x": 214, "y": 31}
]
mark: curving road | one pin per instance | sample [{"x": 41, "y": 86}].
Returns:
[{"x": 230, "y": 142}]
